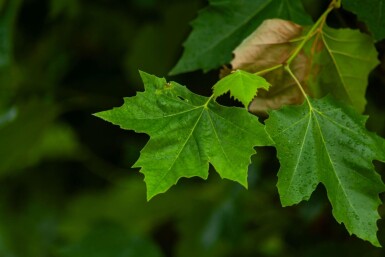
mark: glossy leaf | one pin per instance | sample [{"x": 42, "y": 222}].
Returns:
[
  {"x": 325, "y": 143},
  {"x": 207, "y": 48},
  {"x": 187, "y": 131},
  {"x": 242, "y": 85},
  {"x": 371, "y": 12},
  {"x": 344, "y": 58}
]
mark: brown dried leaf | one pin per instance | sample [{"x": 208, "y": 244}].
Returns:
[{"x": 270, "y": 45}]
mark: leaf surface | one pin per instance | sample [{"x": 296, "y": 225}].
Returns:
[
  {"x": 344, "y": 59},
  {"x": 233, "y": 21},
  {"x": 187, "y": 131},
  {"x": 328, "y": 144},
  {"x": 242, "y": 85},
  {"x": 371, "y": 12}
]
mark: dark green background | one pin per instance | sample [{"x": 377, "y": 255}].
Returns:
[{"x": 66, "y": 186}]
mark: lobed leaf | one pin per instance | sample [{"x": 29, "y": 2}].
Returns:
[
  {"x": 327, "y": 143},
  {"x": 207, "y": 48},
  {"x": 187, "y": 132},
  {"x": 242, "y": 85}
]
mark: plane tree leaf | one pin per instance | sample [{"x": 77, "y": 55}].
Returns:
[
  {"x": 343, "y": 59},
  {"x": 242, "y": 85},
  {"x": 371, "y": 12},
  {"x": 233, "y": 21},
  {"x": 326, "y": 143},
  {"x": 187, "y": 132}
]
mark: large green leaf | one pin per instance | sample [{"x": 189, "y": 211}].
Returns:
[
  {"x": 371, "y": 12},
  {"x": 325, "y": 143},
  {"x": 223, "y": 25},
  {"x": 242, "y": 85},
  {"x": 187, "y": 132},
  {"x": 343, "y": 64}
]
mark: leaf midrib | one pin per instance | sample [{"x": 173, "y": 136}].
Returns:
[
  {"x": 301, "y": 150},
  {"x": 332, "y": 164},
  {"x": 329, "y": 51},
  {"x": 181, "y": 149}
]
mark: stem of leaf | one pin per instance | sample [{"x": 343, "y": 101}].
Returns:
[
  {"x": 311, "y": 32},
  {"x": 208, "y": 101},
  {"x": 259, "y": 73},
  {"x": 287, "y": 68},
  {"x": 317, "y": 26}
]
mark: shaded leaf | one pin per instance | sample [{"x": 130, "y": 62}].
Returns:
[
  {"x": 8, "y": 14},
  {"x": 7, "y": 19},
  {"x": 233, "y": 21},
  {"x": 343, "y": 61},
  {"x": 187, "y": 131},
  {"x": 371, "y": 12},
  {"x": 242, "y": 85},
  {"x": 31, "y": 137},
  {"x": 70, "y": 8},
  {"x": 110, "y": 239},
  {"x": 326, "y": 143},
  {"x": 168, "y": 32}
]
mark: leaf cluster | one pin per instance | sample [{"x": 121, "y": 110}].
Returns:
[{"x": 308, "y": 78}]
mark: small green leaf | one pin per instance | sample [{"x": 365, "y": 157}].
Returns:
[
  {"x": 187, "y": 131},
  {"x": 242, "y": 85},
  {"x": 371, "y": 12},
  {"x": 325, "y": 143},
  {"x": 343, "y": 65},
  {"x": 223, "y": 25}
]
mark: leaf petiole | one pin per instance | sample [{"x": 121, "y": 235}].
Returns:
[
  {"x": 319, "y": 23},
  {"x": 262, "y": 72},
  {"x": 287, "y": 68}
]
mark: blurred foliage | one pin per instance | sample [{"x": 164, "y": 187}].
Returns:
[{"x": 66, "y": 186}]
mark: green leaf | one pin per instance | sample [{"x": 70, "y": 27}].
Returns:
[
  {"x": 223, "y": 25},
  {"x": 325, "y": 143},
  {"x": 344, "y": 63},
  {"x": 187, "y": 131},
  {"x": 371, "y": 12},
  {"x": 242, "y": 85}
]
